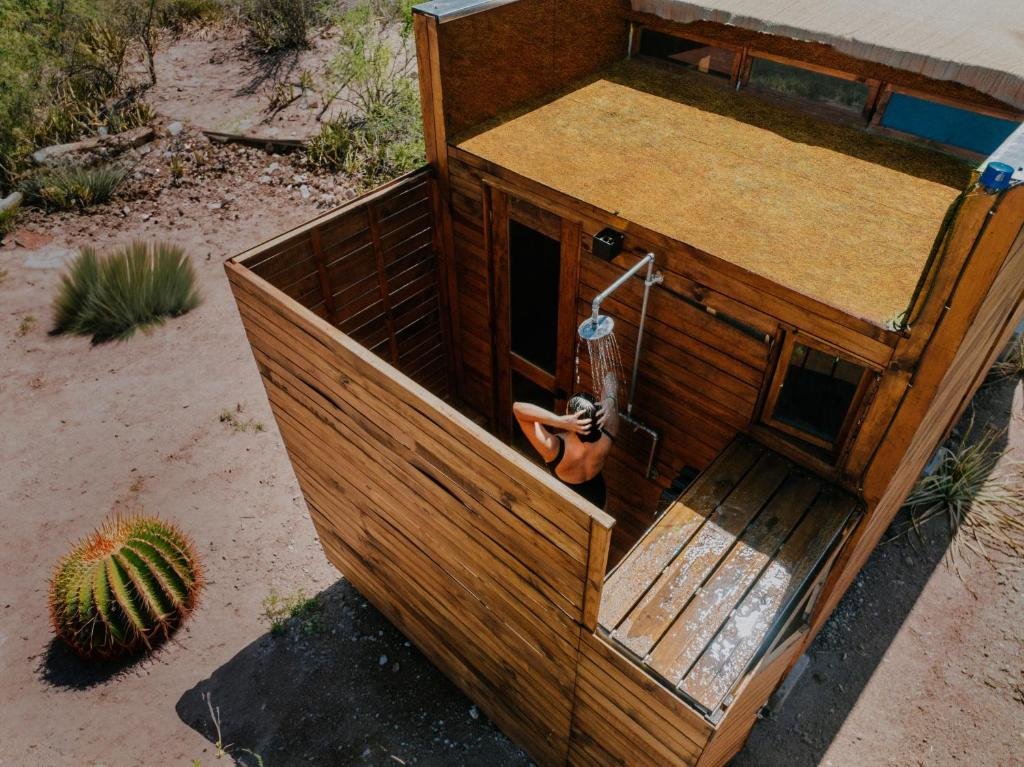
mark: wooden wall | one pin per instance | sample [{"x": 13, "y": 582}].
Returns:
[
  {"x": 485, "y": 562},
  {"x": 497, "y": 60},
  {"x": 623, "y": 716},
  {"x": 978, "y": 307},
  {"x": 370, "y": 268},
  {"x": 701, "y": 372}
]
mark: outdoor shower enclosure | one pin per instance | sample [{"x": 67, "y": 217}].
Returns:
[{"x": 393, "y": 334}]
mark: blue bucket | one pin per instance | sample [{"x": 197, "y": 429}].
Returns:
[{"x": 997, "y": 176}]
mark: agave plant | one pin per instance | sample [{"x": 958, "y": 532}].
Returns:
[
  {"x": 64, "y": 188},
  {"x": 125, "y": 587}
]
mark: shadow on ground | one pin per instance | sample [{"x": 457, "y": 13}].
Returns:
[
  {"x": 59, "y": 666},
  {"x": 342, "y": 686},
  {"x": 853, "y": 642}
]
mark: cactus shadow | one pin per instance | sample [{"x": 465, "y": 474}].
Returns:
[{"x": 59, "y": 666}]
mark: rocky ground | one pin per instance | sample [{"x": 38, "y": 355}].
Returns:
[{"x": 918, "y": 666}]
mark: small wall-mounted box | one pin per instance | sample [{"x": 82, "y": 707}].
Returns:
[{"x": 607, "y": 244}]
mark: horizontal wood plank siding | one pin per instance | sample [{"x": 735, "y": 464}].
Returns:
[
  {"x": 370, "y": 268},
  {"x": 624, "y": 717},
  {"x": 489, "y": 566}
]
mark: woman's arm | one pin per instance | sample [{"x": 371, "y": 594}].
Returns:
[{"x": 533, "y": 419}]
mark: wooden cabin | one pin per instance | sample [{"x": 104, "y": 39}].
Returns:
[{"x": 835, "y": 281}]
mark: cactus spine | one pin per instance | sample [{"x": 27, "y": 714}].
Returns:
[{"x": 126, "y": 586}]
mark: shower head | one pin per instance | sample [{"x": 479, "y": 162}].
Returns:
[{"x": 596, "y": 327}]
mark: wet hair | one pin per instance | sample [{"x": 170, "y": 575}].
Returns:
[{"x": 582, "y": 402}]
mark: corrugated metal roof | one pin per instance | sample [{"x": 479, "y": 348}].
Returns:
[{"x": 979, "y": 43}]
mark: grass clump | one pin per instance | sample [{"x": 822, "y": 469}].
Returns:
[
  {"x": 25, "y": 326},
  {"x": 1011, "y": 362},
  {"x": 233, "y": 418},
  {"x": 178, "y": 15},
  {"x": 72, "y": 187},
  {"x": 281, "y": 25},
  {"x": 982, "y": 506},
  {"x": 110, "y": 297},
  {"x": 380, "y": 133},
  {"x": 306, "y": 613}
]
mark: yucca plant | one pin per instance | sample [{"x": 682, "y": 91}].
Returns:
[
  {"x": 65, "y": 188},
  {"x": 982, "y": 503},
  {"x": 109, "y": 297},
  {"x": 125, "y": 587}
]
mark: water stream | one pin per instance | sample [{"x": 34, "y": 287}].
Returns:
[{"x": 603, "y": 355}]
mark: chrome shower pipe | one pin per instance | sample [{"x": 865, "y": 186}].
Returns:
[{"x": 652, "y": 278}]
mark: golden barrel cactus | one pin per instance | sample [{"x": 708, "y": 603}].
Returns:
[{"x": 125, "y": 587}]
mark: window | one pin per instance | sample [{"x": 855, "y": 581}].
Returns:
[
  {"x": 815, "y": 394},
  {"x": 702, "y": 57},
  {"x": 808, "y": 85},
  {"x": 946, "y": 124}
]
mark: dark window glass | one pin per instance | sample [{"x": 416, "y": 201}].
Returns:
[
  {"x": 687, "y": 53},
  {"x": 945, "y": 124},
  {"x": 817, "y": 392},
  {"x": 534, "y": 270},
  {"x": 810, "y": 86}
]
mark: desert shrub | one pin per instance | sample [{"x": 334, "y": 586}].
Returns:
[
  {"x": 67, "y": 187},
  {"x": 982, "y": 507},
  {"x": 138, "y": 286},
  {"x": 379, "y": 134},
  {"x": 62, "y": 72},
  {"x": 179, "y": 14},
  {"x": 125, "y": 587},
  {"x": 8, "y": 220},
  {"x": 1010, "y": 363},
  {"x": 281, "y": 25}
]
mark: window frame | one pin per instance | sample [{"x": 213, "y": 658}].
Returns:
[
  {"x": 791, "y": 338},
  {"x": 875, "y": 124},
  {"x": 813, "y": 107},
  {"x": 738, "y": 52},
  {"x": 868, "y": 119}
]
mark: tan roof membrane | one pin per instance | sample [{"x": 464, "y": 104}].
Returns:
[
  {"x": 979, "y": 43},
  {"x": 835, "y": 213}
]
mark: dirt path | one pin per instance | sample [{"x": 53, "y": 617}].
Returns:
[{"x": 913, "y": 669}]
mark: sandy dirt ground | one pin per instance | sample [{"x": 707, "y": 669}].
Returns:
[{"x": 918, "y": 666}]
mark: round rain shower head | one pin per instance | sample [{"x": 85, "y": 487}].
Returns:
[{"x": 592, "y": 329}]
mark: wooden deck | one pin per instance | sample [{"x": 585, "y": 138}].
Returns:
[{"x": 710, "y": 584}]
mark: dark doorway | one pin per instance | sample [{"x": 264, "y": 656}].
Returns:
[{"x": 534, "y": 275}]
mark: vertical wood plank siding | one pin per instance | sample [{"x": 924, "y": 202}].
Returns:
[
  {"x": 487, "y": 564},
  {"x": 370, "y": 268}
]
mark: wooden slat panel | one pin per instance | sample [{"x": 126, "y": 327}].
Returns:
[
  {"x": 624, "y": 717},
  {"x": 489, "y": 564}
]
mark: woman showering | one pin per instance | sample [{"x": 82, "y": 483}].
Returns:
[{"x": 574, "y": 446}]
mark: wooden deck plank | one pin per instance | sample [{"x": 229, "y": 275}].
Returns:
[
  {"x": 722, "y": 664},
  {"x": 640, "y": 567},
  {"x": 697, "y": 625},
  {"x": 641, "y": 629}
]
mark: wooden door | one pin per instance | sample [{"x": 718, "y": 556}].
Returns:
[{"x": 535, "y": 256}]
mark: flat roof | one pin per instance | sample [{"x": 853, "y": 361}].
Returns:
[{"x": 835, "y": 213}]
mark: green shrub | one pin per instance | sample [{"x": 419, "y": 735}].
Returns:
[
  {"x": 67, "y": 187},
  {"x": 281, "y": 25},
  {"x": 8, "y": 220},
  {"x": 125, "y": 587},
  {"x": 179, "y": 14},
  {"x": 135, "y": 287},
  {"x": 62, "y": 72},
  {"x": 380, "y": 135}
]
